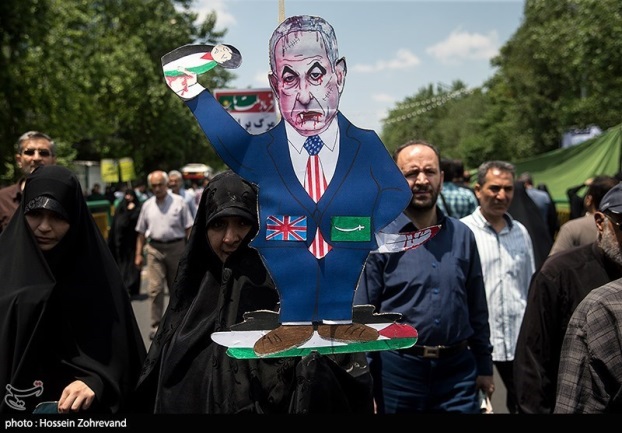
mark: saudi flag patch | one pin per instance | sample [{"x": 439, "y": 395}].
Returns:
[{"x": 350, "y": 229}]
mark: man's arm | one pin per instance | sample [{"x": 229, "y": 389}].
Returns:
[{"x": 140, "y": 244}]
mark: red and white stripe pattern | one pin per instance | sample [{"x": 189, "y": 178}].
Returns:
[
  {"x": 319, "y": 247},
  {"x": 315, "y": 185},
  {"x": 315, "y": 182}
]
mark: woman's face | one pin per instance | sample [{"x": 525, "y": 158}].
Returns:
[
  {"x": 48, "y": 226},
  {"x": 226, "y": 234}
]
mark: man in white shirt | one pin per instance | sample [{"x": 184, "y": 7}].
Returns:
[
  {"x": 507, "y": 258},
  {"x": 163, "y": 226}
]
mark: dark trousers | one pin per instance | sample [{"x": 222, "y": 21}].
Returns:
[
  {"x": 506, "y": 371},
  {"x": 405, "y": 383}
]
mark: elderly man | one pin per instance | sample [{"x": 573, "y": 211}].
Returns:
[{"x": 554, "y": 293}]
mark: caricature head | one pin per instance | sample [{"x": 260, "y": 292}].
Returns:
[
  {"x": 221, "y": 53},
  {"x": 307, "y": 75}
]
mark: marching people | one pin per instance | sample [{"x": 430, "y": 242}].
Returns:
[
  {"x": 122, "y": 239},
  {"x": 554, "y": 293},
  {"x": 582, "y": 230}
]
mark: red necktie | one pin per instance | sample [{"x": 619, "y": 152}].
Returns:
[{"x": 315, "y": 185}]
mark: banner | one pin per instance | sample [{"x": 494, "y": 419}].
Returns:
[
  {"x": 254, "y": 109},
  {"x": 127, "y": 169},
  {"x": 110, "y": 170}
]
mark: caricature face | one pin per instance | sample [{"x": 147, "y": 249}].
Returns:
[
  {"x": 307, "y": 86},
  {"x": 221, "y": 53}
]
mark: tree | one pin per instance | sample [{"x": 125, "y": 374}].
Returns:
[
  {"x": 423, "y": 117},
  {"x": 91, "y": 78},
  {"x": 560, "y": 70},
  {"x": 556, "y": 72}
]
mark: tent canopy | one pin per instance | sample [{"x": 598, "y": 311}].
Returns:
[{"x": 561, "y": 169}]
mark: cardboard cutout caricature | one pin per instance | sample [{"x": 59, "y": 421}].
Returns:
[{"x": 326, "y": 190}]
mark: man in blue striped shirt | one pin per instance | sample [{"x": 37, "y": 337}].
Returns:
[{"x": 507, "y": 257}]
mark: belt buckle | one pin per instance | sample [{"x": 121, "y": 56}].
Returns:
[{"x": 431, "y": 351}]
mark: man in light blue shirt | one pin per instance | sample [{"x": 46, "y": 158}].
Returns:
[{"x": 507, "y": 258}]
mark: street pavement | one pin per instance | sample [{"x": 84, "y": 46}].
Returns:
[{"x": 141, "y": 306}]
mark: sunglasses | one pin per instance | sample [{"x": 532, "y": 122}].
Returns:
[
  {"x": 613, "y": 219},
  {"x": 44, "y": 153}
]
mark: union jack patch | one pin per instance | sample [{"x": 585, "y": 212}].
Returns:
[{"x": 286, "y": 228}]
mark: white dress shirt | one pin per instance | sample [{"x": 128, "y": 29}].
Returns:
[
  {"x": 328, "y": 154},
  {"x": 507, "y": 265}
]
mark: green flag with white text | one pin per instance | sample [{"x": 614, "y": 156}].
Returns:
[{"x": 350, "y": 228}]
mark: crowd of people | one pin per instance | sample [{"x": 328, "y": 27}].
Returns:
[
  {"x": 505, "y": 310},
  {"x": 500, "y": 289}
]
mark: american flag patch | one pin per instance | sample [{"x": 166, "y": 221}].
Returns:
[{"x": 286, "y": 228}]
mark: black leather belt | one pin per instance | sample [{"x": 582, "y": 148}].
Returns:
[
  {"x": 172, "y": 241},
  {"x": 437, "y": 351}
]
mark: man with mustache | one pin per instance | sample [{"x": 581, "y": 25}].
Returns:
[
  {"x": 508, "y": 263},
  {"x": 34, "y": 148}
]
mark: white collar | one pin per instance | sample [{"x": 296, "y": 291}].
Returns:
[{"x": 329, "y": 137}]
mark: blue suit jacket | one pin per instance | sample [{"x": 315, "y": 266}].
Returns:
[{"x": 367, "y": 186}]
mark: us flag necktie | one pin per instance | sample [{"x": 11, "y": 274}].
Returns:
[{"x": 315, "y": 185}]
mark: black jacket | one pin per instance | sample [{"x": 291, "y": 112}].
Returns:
[{"x": 554, "y": 293}]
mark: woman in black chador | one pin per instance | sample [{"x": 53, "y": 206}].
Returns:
[
  {"x": 68, "y": 333},
  {"x": 218, "y": 280},
  {"x": 122, "y": 239}
]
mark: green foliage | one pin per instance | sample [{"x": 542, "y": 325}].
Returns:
[
  {"x": 433, "y": 115},
  {"x": 560, "y": 70},
  {"x": 89, "y": 74}
]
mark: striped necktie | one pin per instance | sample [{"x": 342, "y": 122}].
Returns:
[{"x": 315, "y": 185}]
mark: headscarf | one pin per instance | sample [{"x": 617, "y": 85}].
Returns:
[
  {"x": 64, "y": 315},
  {"x": 186, "y": 372}
]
